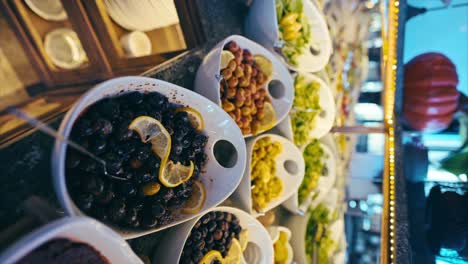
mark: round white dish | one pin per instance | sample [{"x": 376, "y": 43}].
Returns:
[
  {"x": 324, "y": 185},
  {"x": 64, "y": 48},
  {"x": 136, "y": 44},
  {"x": 207, "y": 79},
  {"x": 48, "y": 9},
  {"x": 142, "y": 15},
  {"x": 220, "y": 182},
  {"x": 291, "y": 178},
  {"x": 174, "y": 239},
  {"x": 274, "y": 232},
  {"x": 324, "y": 121},
  {"x": 261, "y": 25},
  {"x": 78, "y": 229}
]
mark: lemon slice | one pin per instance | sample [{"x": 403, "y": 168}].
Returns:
[
  {"x": 194, "y": 117},
  {"x": 174, "y": 174},
  {"x": 211, "y": 256},
  {"x": 244, "y": 239},
  {"x": 226, "y": 57},
  {"x": 151, "y": 130},
  {"x": 234, "y": 255},
  {"x": 269, "y": 119},
  {"x": 265, "y": 65},
  {"x": 196, "y": 201}
]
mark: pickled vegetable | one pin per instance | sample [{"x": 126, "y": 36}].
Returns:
[
  {"x": 294, "y": 28},
  {"x": 307, "y": 106},
  {"x": 313, "y": 155},
  {"x": 318, "y": 235},
  {"x": 266, "y": 186}
]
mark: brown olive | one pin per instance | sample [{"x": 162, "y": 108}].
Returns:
[
  {"x": 232, "y": 82},
  {"x": 238, "y": 72},
  {"x": 249, "y": 118},
  {"x": 253, "y": 109},
  {"x": 254, "y": 72},
  {"x": 231, "y": 92},
  {"x": 243, "y": 82},
  {"x": 260, "y": 114},
  {"x": 262, "y": 93},
  {"x": 246, "y": 130},
  {"x": 260, "y": 78},
  {"x": 228, "y": 106},
  {"x": 232, "y": 65},
  {"x": 259, "y": 104},
  {"x": 237, "y": 114},
  {"x": 245, "y": 111},
  {"x": 240, "y": 95},
  {"x": 233, "y": 46},
  {"x": 248, "y": 101},
  {"x": 238, "y": 56},
  {"x": 227, "y": 73},
  {"x": 239, "y": 102},
  {"x": 256, "y": 96},
  {"x": 253, "y": 88},
  {"x": 245, "y": 121}
]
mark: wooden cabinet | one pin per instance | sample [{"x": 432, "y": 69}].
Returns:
[{"x": 100, "y": 38}]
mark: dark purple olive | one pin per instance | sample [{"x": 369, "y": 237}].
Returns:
[
  {"x": 85, "y": 127},
  {"x": 109, "y": 108},
  {"x": 98, "y": 146},
  {"x": 143, "y": 152},
  {"x": 88, "y": 165},
  {"x": 123, "y": 133},
  {"x": 73, "y": 160},
  {"x": 212, "y": 226},
  {"x": 219, "y": 215},
  {"x": 85, "y": 201},
  {"x": 92, "y": 184},
  {"x": 196, "y": 235},
  {"x": 143, "y": 176},
  {"x": 134, "y": 98},
  {"x": 167, "y": 194},
  {"x": 218, "y": 235},
  {"x": 209, "y": 238},
  {"x": 157, "y": 210},
  {"x": 128, "y": 189},
  {"x": 149, "y": 221},
  {"x": 117, "y": 210},
  {"x": 131, "y": 216}
]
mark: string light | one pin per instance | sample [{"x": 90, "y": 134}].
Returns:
[{"x": 390, "y": 86}]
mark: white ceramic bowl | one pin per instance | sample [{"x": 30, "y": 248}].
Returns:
[
  {"x": 78, "y": 229},
  {"x": 64, "y": 48},
  {"x": 220, "y": 182},
  {"x": 274, "y": 232},
  {"x": 261, "y": 25},
  {"x": 324, "y": 185},
  {"x": 289, "y": 168},
  {"x": 136, "y": 44},
  {"x": 174, "y": 239},
  {"x": 207, "y": 82},
  {"x": 323, "y": 122}
]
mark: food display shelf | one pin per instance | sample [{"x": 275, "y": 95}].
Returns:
[{"x": 32, "y": 154}]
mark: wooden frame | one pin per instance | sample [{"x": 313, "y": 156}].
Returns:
[
  {"x": 31, "y": 30},
  {"x": 163, "y": 39}
]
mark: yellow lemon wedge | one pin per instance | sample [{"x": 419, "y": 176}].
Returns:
[
  {"x": 269, "y": 119},
  {"x": 151, "y": 130},
  {"x": 211, "y": 256},
  {"x": 234, "y": 255},
  {"x": 194, "y": 117},
  {"x": 265, "y": 65},
  {"x": 196, "y": 201},
  {"x": 226, "y": 57},
  {"x": 174, "y": 174},
  {"x": 244, "y": 239}
]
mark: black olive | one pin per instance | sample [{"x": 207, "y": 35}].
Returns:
[
  {"x": 127, "y": 189},
  {"x": 117, "y": 210},
  {"x": 134, "y": 97},
  {"x": 157, "y": 210},
  {"x": 196, "y": 235},
  {"x": 84, "y": 127},
  {"x": 99, "y": 146},
  {"x": 131, "y": 216},
  {"x": 73, "y": 159},
  {"x": 85, "y": 201},
  {"x": 212, "y": 226},
  {"x": 93, "y": 184},
  {"x": 149, "y": 221}
]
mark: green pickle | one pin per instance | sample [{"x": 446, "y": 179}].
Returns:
[
  {"x": 313, "y": 155},
  {"x": 307, "y": 106},
  {"x": 318, "y": 234}
]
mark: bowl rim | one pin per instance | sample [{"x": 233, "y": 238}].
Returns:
[{"x": 59, "y": 150}]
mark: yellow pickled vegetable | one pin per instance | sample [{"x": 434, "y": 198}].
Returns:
[
  {"x": 281, "y": 252},
  {"x": 266, "y": 186}
]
